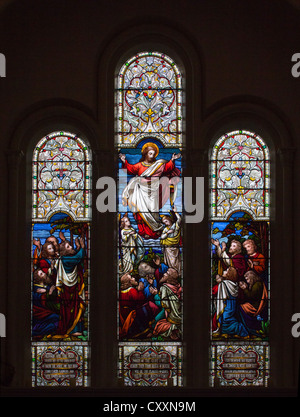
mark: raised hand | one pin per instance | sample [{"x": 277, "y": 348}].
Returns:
[
  {"x": 37, "y": 242},
  {"x": 122, "y": 157},
  {"x": 62, "y": 236},
  {"x": 77, "y": 243},
  {"x": 215, "y": 242},
  {"x": 82, "y": 244},
  {"x": 176, "y": 156}
]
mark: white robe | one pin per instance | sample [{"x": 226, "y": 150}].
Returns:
[
  {"x": 142, "y": 194},
  {"x": 132, "y": 250},
  {"x": 225, "y": 288},
  {"x": 64, "y": 278}
]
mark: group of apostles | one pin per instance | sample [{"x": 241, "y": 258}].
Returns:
[
  {"x": 150, "y": 291},
  {"x": 58, "y": 293},
  {"x": 150, "y": 302},
  {"x": 240, "y": 293}
]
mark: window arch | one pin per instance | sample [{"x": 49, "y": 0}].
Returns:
[
  {"x": 61, "y": 216},
  {"x": 149, "y": 143},
  {"x": 240, "y": 227}
]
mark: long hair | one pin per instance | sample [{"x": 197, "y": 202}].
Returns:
[
  {"x": 122, "y": 221},
  {"x": 144, "y": 153},
  {"x": 232, "y": 274},
  {"x": 44, "y": 251},
  {"x": 125, "y": 281},
  {"x": 254, "y": 278},
  {"x": 252, "y": 243},
  {"x": 36, "y": 278},
  {"x": 62, "y": 248},
  {"x": 170, "y": 277},
  {"x": 239, "y": 245}
]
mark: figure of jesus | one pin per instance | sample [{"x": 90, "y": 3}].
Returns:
[{"x": 145, "y": 194}]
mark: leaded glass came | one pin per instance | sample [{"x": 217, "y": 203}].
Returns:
[
  {"x": 61, "y": 215},
  {"x": 150, "y": 292},
  {"x": 240, "y": 273}
]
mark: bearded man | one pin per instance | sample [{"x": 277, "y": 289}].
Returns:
[
  {"x": 254, "y": 300},
  {"x": 47, "y": 260},
  {"x": 170, "y": 295},
  {"x": 45, "y": 310},
  {"x": 256, "y": 261},
  {"x": 70, "y": 286},
  {"x": 135, "y": 312},
  {"x": 39, "y": 247},
  {"x": 234, "y": 257},
  {"x": 144, "y": 194}
]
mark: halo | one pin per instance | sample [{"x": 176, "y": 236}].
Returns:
[{"x": 151, "y": 145}]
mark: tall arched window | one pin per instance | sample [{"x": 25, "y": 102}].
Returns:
[
  {"x": 61, "y": 216},
  {"x": 239, "y": 214},
  {"x": 149, "y": 143}
]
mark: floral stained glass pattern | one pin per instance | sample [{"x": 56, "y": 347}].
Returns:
[
  {"x": 240, "y": 176},
  {"x": 60, "y": 261},
  {"x": 150, "y": 221},
  {"x": 240, "y": 310},
  {"x": 61, "y": 169},
  {"x": 149, "y": 99}
]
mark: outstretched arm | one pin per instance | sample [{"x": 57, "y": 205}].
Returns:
[
  {"x": 37, "y": 243},
  {"x": 82, "y": 243},
  {"x": 175, "y": 156},
  {"x": 62, "y": 236},
  {"x": 122, "y": 157},
  {"x": 131, "y": 168}
]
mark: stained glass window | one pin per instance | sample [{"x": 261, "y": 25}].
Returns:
[
  {"x": 61, "y": 216},
  {"x": 240, "y": 281},
  {"x": 149, "y": 223}
]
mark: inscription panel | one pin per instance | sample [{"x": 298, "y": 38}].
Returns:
[
  {"x": 239, "y": 365},
  {"x": 60, "y": 364}
]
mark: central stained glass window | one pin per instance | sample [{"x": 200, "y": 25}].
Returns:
[{"x": 150, "y": 270}]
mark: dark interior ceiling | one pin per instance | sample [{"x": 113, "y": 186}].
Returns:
[{"x": 5, "y": 3}]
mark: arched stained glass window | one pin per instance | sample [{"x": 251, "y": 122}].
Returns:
[
  {"x": 61, "y": 216},
  {"x": 149, "y": 144},
  {"x": 240, "y": 281}
]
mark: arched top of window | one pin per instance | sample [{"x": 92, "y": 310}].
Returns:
[
  {"x": 60, "y": 251},
  {"x": 240, "y": 176},
  {"x": 61, "y": 179},
  {"x": 149, "y": 140},
  {"x": 240, "y": 234},
  {"x": 149, "y": 100}
]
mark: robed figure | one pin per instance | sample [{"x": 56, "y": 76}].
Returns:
[
  {"x": 132, "y": 246},
  {"x": 45, "y": 306},
  {"x": 136, "y": 313},
  {"x": 70, "y": 286},
  {"x": 145, "y": 194}
]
